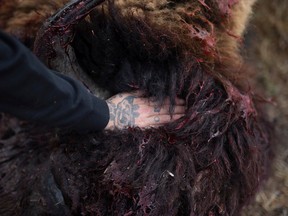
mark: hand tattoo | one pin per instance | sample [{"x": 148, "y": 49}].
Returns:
[
  {"x": 157, "y": 109},
  {"x": 124, "y": 113},
  {"x": 157, "y": 119}
]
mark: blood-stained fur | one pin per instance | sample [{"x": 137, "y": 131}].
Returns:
[
  {"x": 23, "y": 18},
  {"x": 210, "y": 162}
]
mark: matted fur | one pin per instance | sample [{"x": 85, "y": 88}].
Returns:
[
  {"x": 210, "y": 162},
  {"x": 23, "y": 18}
]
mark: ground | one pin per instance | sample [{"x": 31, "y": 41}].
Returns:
[{"x": 266, "y": 48}]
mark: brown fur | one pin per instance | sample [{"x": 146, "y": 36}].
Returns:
[
  {"x": 23, "y": 18},
  {"x": 210, "y": 162}
]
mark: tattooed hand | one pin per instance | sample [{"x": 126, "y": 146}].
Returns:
[{"x": 129, "y": 109}]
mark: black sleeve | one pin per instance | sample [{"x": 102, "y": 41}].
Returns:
[{"x": 31, "y": 91}]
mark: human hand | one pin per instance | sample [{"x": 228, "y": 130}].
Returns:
[{"x": 130, "y": 109}]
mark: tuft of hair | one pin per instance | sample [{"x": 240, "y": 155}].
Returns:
[
  {"x": 209, "y": 162},
  {"x": 24, "y": 18}
]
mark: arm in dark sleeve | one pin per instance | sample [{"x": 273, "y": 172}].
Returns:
[{"x": 31, "y": 91}]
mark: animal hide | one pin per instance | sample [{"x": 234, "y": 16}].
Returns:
[{"x": 209, "y": 162}]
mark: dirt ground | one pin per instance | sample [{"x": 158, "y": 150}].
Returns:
[{"x": 267, "y": 50}]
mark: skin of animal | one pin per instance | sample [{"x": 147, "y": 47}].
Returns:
[{"x": 209, "y": 162}]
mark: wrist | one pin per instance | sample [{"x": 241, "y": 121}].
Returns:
[{"x": 111, "y": 108}]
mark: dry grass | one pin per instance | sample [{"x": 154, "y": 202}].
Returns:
[{"x": 267, "y": 50}]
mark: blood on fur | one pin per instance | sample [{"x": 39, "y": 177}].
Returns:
[{"x": 209, "y": 162}]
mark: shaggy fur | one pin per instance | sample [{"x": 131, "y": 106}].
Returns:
[
  {"x": 23, "y": 18},
  {"x": 210, "y": 162}
]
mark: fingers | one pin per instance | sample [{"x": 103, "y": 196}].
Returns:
[
  {"x": 150, "y": 101},
  {"x": 167, "y": 101},
  {"x": 142, "y": 112},
  {"x": 158, "y": 117},
  {"x": 159, "y": 120},
  {"x": 178, "y": 101},
  {"x": 165, "y": 110}
]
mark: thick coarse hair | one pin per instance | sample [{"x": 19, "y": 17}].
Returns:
[{"x": 209, "y": 162}]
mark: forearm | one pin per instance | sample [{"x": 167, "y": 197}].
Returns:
[{"x": 31, "y": 91}]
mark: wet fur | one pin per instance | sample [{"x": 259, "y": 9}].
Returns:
[{"x": 210, "y": 162}]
